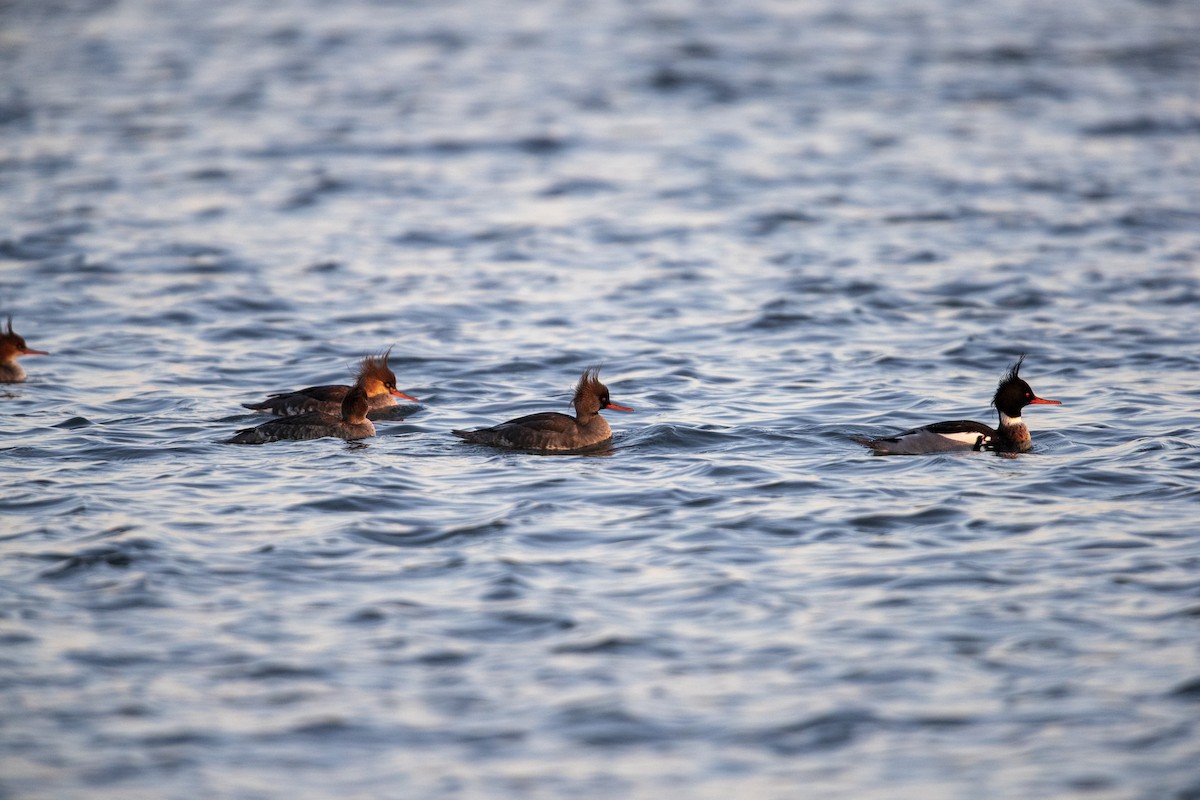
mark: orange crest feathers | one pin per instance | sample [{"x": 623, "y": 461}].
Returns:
[{"x": 376, "y": 368}]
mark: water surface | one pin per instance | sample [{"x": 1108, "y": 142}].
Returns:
[{"x": 776, "y": 225}]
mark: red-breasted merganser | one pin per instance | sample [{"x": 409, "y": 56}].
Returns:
[
  {"x": 377, "y": 379},
  {"x": 352, "y": 423},
  {"x": 551, "y": 430},
  {"x": 1012, "y": 395},
  {"x": 11, "y": 346}
]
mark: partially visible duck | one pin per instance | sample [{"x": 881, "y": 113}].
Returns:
[
  {"x": 378, "y": 381},
  {"x": 1011, "y": 436},
  {"x": 351, "y": 423},
  {"x": 12, "y": 346},
  {"x": 552, "y": 431}
]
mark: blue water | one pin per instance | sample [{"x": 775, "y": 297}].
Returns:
[{"x": 775, "y": 225}]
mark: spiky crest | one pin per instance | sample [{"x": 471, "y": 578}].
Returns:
[
  {"x": 376, "y": 368},
  {"x": 589, "y": 386},
  {"x": 1013, "y": 374}
]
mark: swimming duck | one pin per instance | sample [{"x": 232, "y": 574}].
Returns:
[
  {"x": 1010, "y": 436},
  {"x": 552, "y": 431},
  {"x": 13, "y": 345}
]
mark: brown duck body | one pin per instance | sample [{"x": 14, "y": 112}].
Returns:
[
  {"x": 314, "y": 425},
  {"x": 324, "y": 399},
  {"x": 548, "y": 430},
  {"x": 551, "y": 431},
  {"x": 375, "y": 377},
  {"x": 351, "y": 423},
  {"x": 12, "y": 346}
]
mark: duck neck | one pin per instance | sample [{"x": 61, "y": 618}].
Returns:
[
  {"x": 1012, "y": 433},
  {"x": 10, "y": 370},
  {"x": 354, "y": 406}
]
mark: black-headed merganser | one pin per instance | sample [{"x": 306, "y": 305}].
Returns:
[
  {"x": 552, "y": 431},
  {"x": 377, "y": 379},
  {"x": 1012, "y": 395},
  {"x": 351, "y": 423},
  {"x": 11, "y": 346}
]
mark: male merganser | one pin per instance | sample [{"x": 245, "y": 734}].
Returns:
[
  {"x": 1012, "y": 395},
  {"x": 11, "y": 346},
  {"x": 551, "y": 430},
  {"x": 378, "y": 381},
  {"x": 352, "y": 423}
]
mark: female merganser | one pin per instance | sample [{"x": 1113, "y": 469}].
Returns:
[
  {"x": 377, "y": 379},
  {"x": 351, "y": 424},
  {"x": 11, "y": 346},
  {"x": 551, "y": 430},
  {"x": 1012, "y": 395}
]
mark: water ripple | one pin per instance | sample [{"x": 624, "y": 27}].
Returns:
[{"x": 774, "y": 226}]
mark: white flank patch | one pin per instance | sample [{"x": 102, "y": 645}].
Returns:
[
  {"x": 926, "y": 441},
  {"x": 965, "y": 437}
]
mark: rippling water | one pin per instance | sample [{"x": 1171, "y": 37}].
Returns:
[{"x": 776, "y": 225}]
